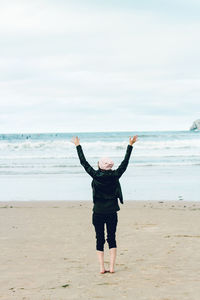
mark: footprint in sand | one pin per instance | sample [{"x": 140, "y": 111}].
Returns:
[{"x": 147, "y": 227}]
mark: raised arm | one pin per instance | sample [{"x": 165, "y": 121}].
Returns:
[
  {"x": 123, "y": 166},
  {"x": 81, "y": 156}
]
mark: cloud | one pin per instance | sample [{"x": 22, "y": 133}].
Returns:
[{"x": 127, "y": 61}]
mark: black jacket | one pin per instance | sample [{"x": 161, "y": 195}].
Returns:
[{"x": 105, "y": 184}]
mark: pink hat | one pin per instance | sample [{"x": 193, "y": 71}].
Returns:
[{"x": 105, "y": 163}]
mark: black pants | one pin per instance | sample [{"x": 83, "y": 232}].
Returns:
[{"x": 98, "y": 220}]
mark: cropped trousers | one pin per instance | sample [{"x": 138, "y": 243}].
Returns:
[{"x": 99, "y": 221}]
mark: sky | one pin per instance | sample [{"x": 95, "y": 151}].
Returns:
[{"x": 99, "y": 65}]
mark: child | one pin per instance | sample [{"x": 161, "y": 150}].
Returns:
[{"x": 106, "y": 191}]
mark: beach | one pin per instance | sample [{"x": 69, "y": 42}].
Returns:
[{"x": 48, "y": 251}]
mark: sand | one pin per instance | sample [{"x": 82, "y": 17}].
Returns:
[{"x": 48, "y": 252}]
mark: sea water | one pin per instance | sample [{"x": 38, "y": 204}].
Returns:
[{"x": 45, "y": 166}]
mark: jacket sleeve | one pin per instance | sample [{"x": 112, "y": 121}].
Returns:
[
  {"x": 122, "y": 167},
  {"x": 84, "y": 162}
]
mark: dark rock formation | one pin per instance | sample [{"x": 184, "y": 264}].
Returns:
[{"x": 195, "y": 125}]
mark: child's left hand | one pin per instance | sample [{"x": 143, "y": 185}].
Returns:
[{"x": 75, "y": 141}]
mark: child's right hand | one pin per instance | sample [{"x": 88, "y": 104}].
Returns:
[{"x": 133, "y": 140}]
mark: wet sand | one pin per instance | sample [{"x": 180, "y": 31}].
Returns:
[{"x": 48, "y": 252}]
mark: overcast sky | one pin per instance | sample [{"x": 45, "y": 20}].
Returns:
[{"x": 99, "y": 65}]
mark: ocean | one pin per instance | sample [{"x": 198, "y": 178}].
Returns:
[{"x": 163, "y": 166}]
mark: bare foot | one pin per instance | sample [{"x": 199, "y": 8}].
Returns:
[{"x": 103, "y": 271}]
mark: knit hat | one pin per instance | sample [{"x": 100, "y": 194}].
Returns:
[{"x": 105, "y": 163}]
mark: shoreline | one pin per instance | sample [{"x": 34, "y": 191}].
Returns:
[
  {"x": 156, "y": 203},
  {"x": 144, "y": 184}
]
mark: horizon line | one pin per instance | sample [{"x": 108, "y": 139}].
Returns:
[{"x": 54, "y": 132}]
